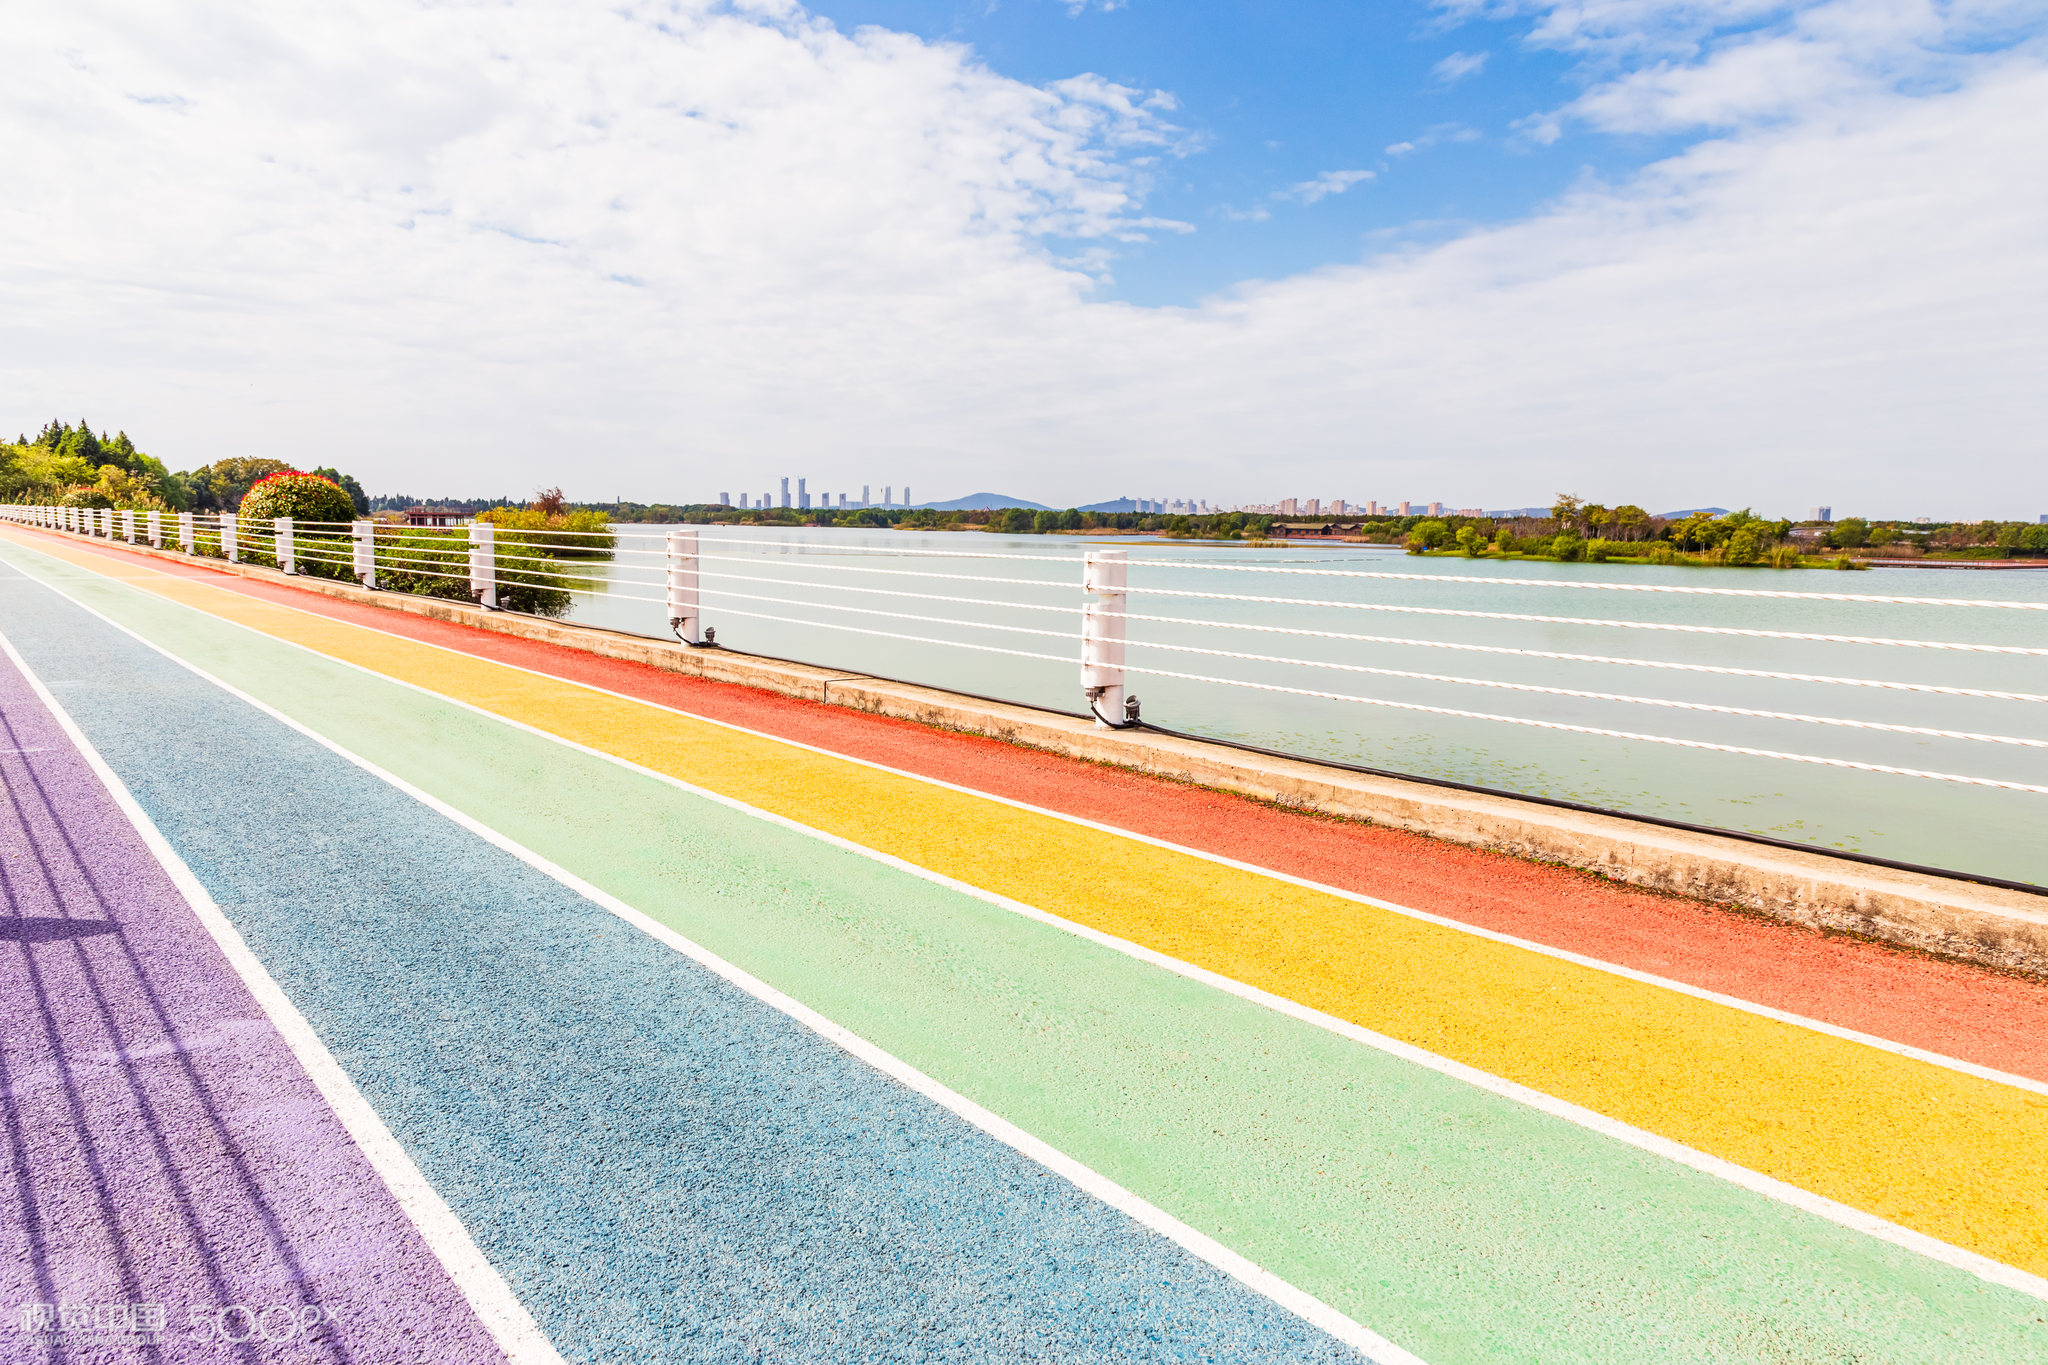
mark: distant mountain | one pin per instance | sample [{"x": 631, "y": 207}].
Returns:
[
  {"x": 984, "y": 502},
  {"x": 1690, "y": 511},
  {"x": 1509, "y": 513},
  {"x": 1116, "y": 505}
]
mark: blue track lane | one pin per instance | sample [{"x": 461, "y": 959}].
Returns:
[{"x": 661, "y": 1167}]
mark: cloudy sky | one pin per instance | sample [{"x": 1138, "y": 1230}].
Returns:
[{"x": 1727, "y": 251}]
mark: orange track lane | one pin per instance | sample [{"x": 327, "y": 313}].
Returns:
[{"x": 1958, "y": 1010}]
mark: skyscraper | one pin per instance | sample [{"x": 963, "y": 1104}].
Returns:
[{"x": 785, "y": 492}]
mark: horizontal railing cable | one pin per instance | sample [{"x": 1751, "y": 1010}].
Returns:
[
  {"x": 1062, "y": 584},
  {"x": 1593, "y": 730},
  {"x": 1760, "y": 714},
  {"x": 1193, "y": 622},
  {"x": 897, "y": 615},
  {"x": 1577, "y": 585},
  {"x": 897, "y": 635},
  {"x": 1682, "y": 627},
  {"x": 1455, "y": 580}
]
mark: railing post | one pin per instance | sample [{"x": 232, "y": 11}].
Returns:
[
  {"x": 156, "y": 530},
  {"x": 287, "y": 560},
  {"x": 230, "y": 547},
  {"x": 684, "y": 612},
  {"x": 483, "y": 575},
  {"x": 106, "y": 523},
  {"x": 185, "y": 541},
  {"x": 128, "y": 525},
  {"x": 366, "y": 552},
  {"x": 1104, "y": 576}
]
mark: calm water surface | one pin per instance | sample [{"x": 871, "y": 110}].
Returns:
[{"x": 824, "y": 584}]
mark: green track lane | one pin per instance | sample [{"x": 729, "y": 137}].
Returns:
[{"x": 1460, "y": 1224}]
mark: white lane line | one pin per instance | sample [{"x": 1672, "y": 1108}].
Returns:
[
  {"x": 1302, "y": 1304},
  {"x": 1844, "y": 1215},
  {"x": 507, "y": 1320},
  {"x": 1968, "y": 1068}
]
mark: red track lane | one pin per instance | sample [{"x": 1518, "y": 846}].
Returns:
[{"x": 1951, "y": 1008}]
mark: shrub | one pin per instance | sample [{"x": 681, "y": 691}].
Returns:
[
  {"x": 583, "y": 535},
  {"x": 435, "y": 563},
  {"x": 302, "y": 497},
  {"x": 1568, "y": 547},
  {"x": 1744, "y": 548}
]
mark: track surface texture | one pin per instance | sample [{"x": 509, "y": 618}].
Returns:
[{"x": 732, "y": 1027}]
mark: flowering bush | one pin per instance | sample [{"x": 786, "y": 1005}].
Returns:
[{"x": 302, "y": 497}]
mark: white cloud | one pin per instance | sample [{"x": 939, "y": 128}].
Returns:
[
  {"x": 1324, "y": 185},
  {"x": 1662, "y": 66},
  {"x": 1458, "y": 66},
  {"x": 665, "y": 251},
  {"x": 1441, "y": 132}
]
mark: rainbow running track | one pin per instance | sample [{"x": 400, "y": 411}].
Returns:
[{"x": 378, "y": 989}]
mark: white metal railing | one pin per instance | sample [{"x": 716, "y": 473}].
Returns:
[{"x": 898, "y": 594}]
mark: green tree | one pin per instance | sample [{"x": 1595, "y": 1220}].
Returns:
[
  {"x": 1470, "y": 541},
  {"x": 354, "y": 490},
  {"x": 1849, "y": 533},
  {"x": 1745, "y": 546},
  {"x": 1564, "y": 510},
  {"x": 220, "y": 486},
  {"x": 1427, "y": 535}
]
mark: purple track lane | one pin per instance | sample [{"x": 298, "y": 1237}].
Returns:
[{"x": 165, "y": 1155}]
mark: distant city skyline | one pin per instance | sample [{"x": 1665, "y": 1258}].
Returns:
[{"x": 802, "y": 500}]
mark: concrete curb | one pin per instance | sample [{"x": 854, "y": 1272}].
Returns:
[{"x": 1989, "y": 925}]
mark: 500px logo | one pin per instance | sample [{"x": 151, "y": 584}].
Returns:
[
  {"x": 234, "y": 1322},
  {"x": 273, "y": 1322}
]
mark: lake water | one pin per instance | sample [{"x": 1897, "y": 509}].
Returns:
[{"x": 824, "y": 584}]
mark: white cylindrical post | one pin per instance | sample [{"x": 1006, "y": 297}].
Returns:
[
  {"x": 185, "y": 542},
  {"x": 1104, "y": 576},
  {"x": 366, "y": 552},
  {"x": 684, "y": 616},
  {"x": 230, "y": 548},
  {"x": 106, "y": 523},
  {"x": 287, "y": 560},
  {"x": 483, "y": 570},
  {"x": 156, "y": 530},
  {"x": 128, "y": 525}
]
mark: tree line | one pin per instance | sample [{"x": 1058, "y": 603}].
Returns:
[{"x": 73, "y": 466}]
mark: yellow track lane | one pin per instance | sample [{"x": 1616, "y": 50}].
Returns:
[{"x": 1944, "y": 1153}]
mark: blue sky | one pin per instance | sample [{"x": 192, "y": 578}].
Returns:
[
  {"x": 1275, "y": 96},
  {"x": 1671, "y": 252}
]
